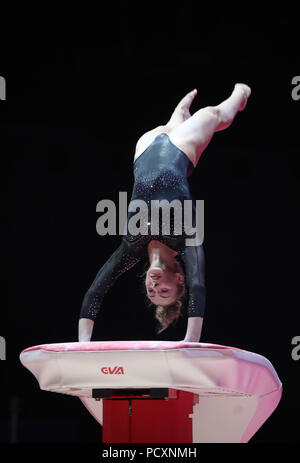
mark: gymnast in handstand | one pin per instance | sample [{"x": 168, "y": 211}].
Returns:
[{"x": 164, "y": 158}]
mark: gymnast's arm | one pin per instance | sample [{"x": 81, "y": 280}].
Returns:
[
  {"x": 194, "y": 259},
  {"x": 194, "y": 328},
  {"x": 121, "y": 260}
]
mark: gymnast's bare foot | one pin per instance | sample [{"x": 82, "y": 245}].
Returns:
[
  {"x": 182, "y": 110},
  {"x": 246, "y": 93}
]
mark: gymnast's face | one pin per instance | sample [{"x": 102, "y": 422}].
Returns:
[{"x": 162, "y": 285}]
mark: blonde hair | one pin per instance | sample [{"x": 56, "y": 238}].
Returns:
[{"x": 167, "y": 314}]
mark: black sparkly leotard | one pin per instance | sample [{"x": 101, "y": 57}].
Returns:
[{"x": 160, "y": 172}]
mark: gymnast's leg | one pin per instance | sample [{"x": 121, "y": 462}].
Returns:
[
  {"x": 180, "y": 114},
  {"x": 182, "y": 111},
  {"x": 195, "y": 132}
]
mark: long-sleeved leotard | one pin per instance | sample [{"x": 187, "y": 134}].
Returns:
[{"x": 160, "y": 172}]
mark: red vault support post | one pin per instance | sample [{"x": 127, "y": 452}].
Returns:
[{"x": 147, "y": 417}]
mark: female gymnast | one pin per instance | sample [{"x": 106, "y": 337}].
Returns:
[{"x": 164, "y": 158}]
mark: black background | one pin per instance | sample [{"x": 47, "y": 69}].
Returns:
[{"x": 70, "y": 124}]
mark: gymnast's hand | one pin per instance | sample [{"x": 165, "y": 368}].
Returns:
[
  {"x": 194, "y": 329},
  {"x": 85, "y": 329},
  {"x": 189, "y": 340}
]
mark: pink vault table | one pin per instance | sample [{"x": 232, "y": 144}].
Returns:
[{"x": 162, "y": 391}]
